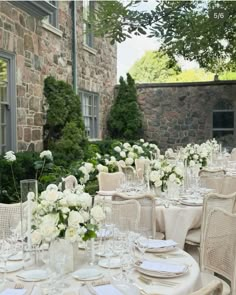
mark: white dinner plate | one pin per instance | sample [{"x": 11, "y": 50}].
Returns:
[
  {"x": 12, "y": 266},
  {"x": 87, "y": 274},
  {"x": 157, "y": 274},
  {"x": 19, "y": 256},
  {"x": 192, "y": 202},
  {"x": 34, "y": 275},
  {"x": 114, "y": 262}
]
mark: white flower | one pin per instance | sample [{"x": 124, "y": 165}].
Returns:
[
  {"x": 85, "y": 215},
  {"x": 154, "y": 176},
  {"x": 79, "y": 189},
  {"x": 84, "y": 200},
  {"x": 83, "y": 170},
  {"x": 51, "y": 187},
  {"x": 10, "y": 156},
  {"x": 51, "y": 196},
  {"x": 72, "y": 199},
  {"x": 126, "y": 145},
  {"x": 74, "y": 219},
  {"x": 89, "y": 167},
  {"x": 161, "y": 157},
  {"x": 158, "y": 183},
  {"x": 129, "y": 161},
  {"x": 113, "y": 159},
  {"x": 146, "y": 144},
  {"x": 141, "y": 140},
  {"x": 71, "y": 234},
  {"x": 195, "y": 157},
  {"x": 117, "y": 149},
  {"x": 98, "y": 213},
  {"x": 167, "y": 169},
  {"x": 179, "y": 171},
  {"x": 191, "y": 151},
  {"x": 172, "y": 177},
  {"x": 46, "y": 154},
  {"x": 131, "y": 155},
  {"x": 123, "y": 154},
  {"x": 102, "y": 168},
  {"x": 98, "y": 156},
  {"x": 36, "y": 237},
  {"x": 191, "y": 163}
]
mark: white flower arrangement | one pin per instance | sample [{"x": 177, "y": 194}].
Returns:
[
  {"x": 10, "y": 156},
  {"x": 68, "y": 214},
  {"x": 46, "y": 154},
  {"x": 196, "y": 154},
  {"x": 161, "y": 172}
]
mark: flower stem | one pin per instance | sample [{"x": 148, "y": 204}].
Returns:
[
  {"x": 41, "y": 172},
  {"x": 14, "y": 182}
]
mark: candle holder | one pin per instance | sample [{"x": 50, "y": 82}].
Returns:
[{"x": 29, "y": 193}]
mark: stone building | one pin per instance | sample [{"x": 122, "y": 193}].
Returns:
[
  {"x": 41, "y": 38},
  {"x": 176, "y": 114}
]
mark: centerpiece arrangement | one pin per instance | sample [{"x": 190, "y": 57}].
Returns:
[{"x": 69, "y": 216}]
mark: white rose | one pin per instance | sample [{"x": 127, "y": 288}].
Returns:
[
  {"x": 65, "y": 210},
  {"x": 79, "y": 189},
  {"x": 74, "y": 219},
  {"x": 131, "y": 155},
  {"x": 113, "y": 159},
  {"x": 46, "y": 154},
  {"x": 195, "y": 157},
  {"x": 102, "y": 168},
  {"x": 85, "y": 215},
  {"x": 84, "y": 200},
  {"x": 161, "y": 157},
  {"x": 129, "y": 161},
  {"x": 71, "y": 234},
  {"x": 157, "y": 165},
  {"x": 36, "y": 237},
  {"x": 51, "y": 196},
  {"x": 83, "y": 170},
  {"x": 154, "y": 175},
  {"x": 63, "y": 202},
  {"x": 117, "y": 149},
  {"x": 98, "y": 213},
  {"x": 179, "y": 171},
  {"x": 191, "y": 163},
  {"x": 191, "y": 151},
  {"x": 123, "y": 154},
  {"x": 48, "y": 232},
  {"x": 146, "y": 144},
  {"x": 71, "y": 199},
  {"x": 167, "y": 169},
  {"x": 172, "y": 177},
  {"x": 10, "y": 156},
  {"x": 158, "y": 183},
  {"x": 141, "y": 140}
]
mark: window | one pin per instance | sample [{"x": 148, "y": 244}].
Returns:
[
  {"x": 7, "y": 103},
  {"x": 90, "y": 107},
  {"x": 52, "y": 18},
  {"x": 88, "y": 10},
  {"x": 223, "y": 120}
]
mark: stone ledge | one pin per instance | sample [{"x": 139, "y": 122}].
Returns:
[
  {"x": 90, "y": 49},
  {"x": 51, "y": 28}
]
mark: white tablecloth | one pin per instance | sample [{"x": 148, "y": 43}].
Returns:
[
  {"x": 176, "y": 221},
  {"x": 184, "y": 284}
]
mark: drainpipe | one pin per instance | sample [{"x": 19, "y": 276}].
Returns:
[{"x": 74, "y": 46}]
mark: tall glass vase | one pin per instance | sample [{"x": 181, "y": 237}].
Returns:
[{"x": 29, "y": 194}]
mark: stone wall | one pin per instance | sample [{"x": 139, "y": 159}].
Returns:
[
  {"x": 179, "y": 113},
  {"x": 40, "y": 52}
]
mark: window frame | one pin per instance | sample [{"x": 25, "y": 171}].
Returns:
[
  {"x": 94, "y": 130},
  {"x": 12, "y": 104},
  {"x": 88, "y": 39},
  {"x": 226, "y": 110}
]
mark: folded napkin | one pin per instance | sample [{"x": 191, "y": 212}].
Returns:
[
  {"x": 13, "y": 292},
  {"x": 155, "y": 244},
  {"x": 107, "y": 290},
  {"x": 162, "y": 267}
]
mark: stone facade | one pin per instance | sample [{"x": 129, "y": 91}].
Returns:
[
  {"x": 40, "y": 52},
  {"x": 179, "y": 113}
]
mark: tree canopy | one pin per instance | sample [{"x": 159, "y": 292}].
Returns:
[
  {"x": 197, "y": 30},
  {"x": 154, "y": 66}
]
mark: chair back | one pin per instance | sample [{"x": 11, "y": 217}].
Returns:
[
  {"x": 229, "y": 185},
  {"x": 218, "y": 245},
  {"x": 125, "y": 214},
  {"x": 213, "y": 288},
  {"x": 148, "y": 210},
  {"x": 212, "y": 182},
  {"x": 129, "y": 172},
  {"x": 233, "y": 155},
  {"x": 110, "y": 181},
  {"x": 10, "y": 217},
  {"x": 70, "y": 182},
  {"x": 211, "y": 173}
]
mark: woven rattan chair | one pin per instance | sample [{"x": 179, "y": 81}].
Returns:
[
  {"x": 70, "y": 182},
  {"x": 233, "y": 155},
  {"x": 109, "y": 181},
  {"x": 212, "y": 182},
  {"x": 211, "y": 201},
  {"x": 148, "y": 212},
  {"x": 218, "y": 247},
  {"x": 213, "y": 288},
  {"x": 229, "y": 185},
  {"x": 10, "y": 217},
  {"x": 125, "y": 214}
]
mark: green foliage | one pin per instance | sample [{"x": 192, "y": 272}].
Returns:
[
  {"x": 125, "y": 118},
  {"x": 64, "y": 132},
  {"x": 192, "y": 75},
  {"x": 154, "y": 66},
  {"x": 23, "y": 168},
  {"x": 197, "y": 30}
]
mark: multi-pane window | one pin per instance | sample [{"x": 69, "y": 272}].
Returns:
[
  {"x": 88, "y": 10},
  {"x": 90, "y": 110},
  {"x": 7, "y": 103},
  {"x": 223, "y": 120},
  {"x": 52, "y": 19}
]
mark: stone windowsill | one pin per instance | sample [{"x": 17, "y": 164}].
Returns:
[
  {"x": 51, "y": 28},
  {"x": 94, "y": 139},
  {"x": 89, "y": 49}
]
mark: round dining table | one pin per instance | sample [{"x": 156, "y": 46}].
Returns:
[{"x": 146, "y": 285}]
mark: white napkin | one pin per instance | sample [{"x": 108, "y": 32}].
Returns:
[
  {"x": 107, "y": 290},
  {"x": 13, "y": 292},
  {"x": 155, "y": 244},
  {"x": 163, "y": 267}
]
